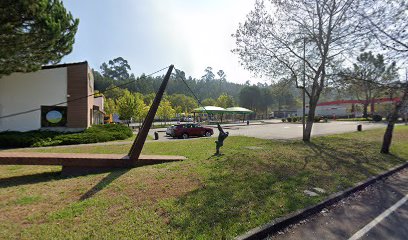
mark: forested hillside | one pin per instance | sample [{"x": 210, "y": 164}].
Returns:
[
  {"x": 211, "y": 89},
  {"x": 210, "y": 85}
]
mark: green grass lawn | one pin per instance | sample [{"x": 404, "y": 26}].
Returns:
[
  {"x": 204, "y": 197},
  {"x": 132, "y": 138}
]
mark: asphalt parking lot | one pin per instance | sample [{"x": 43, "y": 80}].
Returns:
[{"x": 276, "y": 130}]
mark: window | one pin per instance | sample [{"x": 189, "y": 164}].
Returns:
[{"x": 53, "y": 116}]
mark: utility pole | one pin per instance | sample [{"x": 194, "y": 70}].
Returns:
[
  {"x": 304, "y": 88},
  {"x": 406, "y": 105}
]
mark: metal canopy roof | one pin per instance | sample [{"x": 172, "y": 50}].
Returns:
[
  {"x": 214, "y": 109},
  {"x": 240, "y": 110},
  {"x": 210, "y": 109}
]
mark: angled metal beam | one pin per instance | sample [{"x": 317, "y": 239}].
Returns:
[{"x": 137, "y": 146}]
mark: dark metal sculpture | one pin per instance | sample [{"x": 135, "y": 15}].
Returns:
[
  {"x": 79, "y": 164},
  {"x": 221, "y": 137},
  {"x": 137, "y": 146}
]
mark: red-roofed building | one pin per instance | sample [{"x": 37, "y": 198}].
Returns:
[{"x": 352, "y": 108}]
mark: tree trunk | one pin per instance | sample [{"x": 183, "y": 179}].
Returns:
[
  {"x": 390, "y": 128},
  {"x": 365, "y": 112},
  {"x": 387, "y": 137},
  {"x": 310, "y": 120},
  {"x": 391, "y": 122},
  {"x": 372, "y": 107}
]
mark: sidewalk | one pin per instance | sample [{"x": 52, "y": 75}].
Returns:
[{"x": 369, "y": 214}]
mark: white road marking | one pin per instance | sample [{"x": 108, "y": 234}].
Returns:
[
  {"x": 300, "y": 126},
  {"x": 378, "y": 219},
  {"x": 286, "y": 127}
]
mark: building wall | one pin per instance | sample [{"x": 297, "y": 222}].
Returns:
[
  {"x": 99, "y": 101},
  {"x": 25, "y": 91},
  {"x": 80, "y": 84},
  {"x": 90, "y": 89},
  {"x": 327, "y": 111}
]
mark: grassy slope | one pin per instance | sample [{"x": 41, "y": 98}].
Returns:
[{"x": 203, "y": 197}]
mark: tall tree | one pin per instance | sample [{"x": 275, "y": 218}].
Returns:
[
  {"x": 225, "y": 101},
  {"x": 209, "y": 75},
  {"x": 249, "y": 97},
  {"x": 100, "y": 82},
  {"x": 393, "y": 117},
  {"x": 110, "y": 106},
  {"x": 272, "y": 41},
  {"x": 266, "y": 100},
  {"x": 116, "y": 69},
  {"x": 114, "y": 92},
  {"x": 222, "y": 76},
  {"x": 183, "y": 103},
  {"x": 148, "y": 98},
  {"x": 165, "y": 110},
  {"x": 283, "y": 97},
  {"x": 209, "y": 102},
  {"x": 369, "y": 77},
  {"x": 34, "y": 33},
  {"x": 130, "y": 106},
  {"x": 387, "y": 22}
]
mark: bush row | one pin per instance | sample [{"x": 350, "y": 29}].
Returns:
[
  {"x": 94, "y": 134},
  {"x": 375, "y": 118},
  {"x": 299, "y": 119}
]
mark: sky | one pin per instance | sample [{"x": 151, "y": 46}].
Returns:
[{"x": 152, "y": 34}]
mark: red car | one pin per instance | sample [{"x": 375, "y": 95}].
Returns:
[{"x": 191, "y": 129}]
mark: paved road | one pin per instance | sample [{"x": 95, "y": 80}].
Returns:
[
  {"x": 275, "y": 130},
  {"x": 290, "y": 130},
  {"x": 378, "y": 212}
]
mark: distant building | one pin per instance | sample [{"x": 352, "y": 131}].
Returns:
[
  {"x": 351, "y": 108},
  {"x": 57, "y": 97},
  {"x": 284, "y": 114},
  {"x": 98, "y": 109}
]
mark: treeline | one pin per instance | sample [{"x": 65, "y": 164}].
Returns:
[
  {"x": 135, "y": 106},
  {"x": 210, "y": 85},
  {"x": 135, "y": 94}
]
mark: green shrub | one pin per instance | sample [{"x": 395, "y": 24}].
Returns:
[
  {"x": 94, "y": 134},
  {"x": 354, "y": 119},
  {"x": 317, "y": 119},
  {"x": 25, "y": 139},
  {"x": 289, "y": 119},
  {"x": 377, "y": 118},
  {"x": 283, "y": 119}
]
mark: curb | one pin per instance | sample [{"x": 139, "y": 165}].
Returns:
[{"x": 295, "y": 217}]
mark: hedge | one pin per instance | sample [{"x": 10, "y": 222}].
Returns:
[
  {"x": 377, "y": 118},
  {"x": 94, "y": 134}
]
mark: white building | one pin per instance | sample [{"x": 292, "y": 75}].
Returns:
[
  {"x": 326, "y": 110},
  {"x": 57, "y": 97}
]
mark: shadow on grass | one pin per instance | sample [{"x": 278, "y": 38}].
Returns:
[
  {"x": 104, "y": 182},
  {"x": 232, "y": 204},
  {"x": 355, "y": 160},
  {"x": 246, "y": 190},
  {"x": 53, "y": 176},
  {"x": 30, "y": 179}
]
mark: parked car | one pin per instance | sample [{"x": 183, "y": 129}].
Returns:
[
  {"x": 169, "y": 130},
  {"x": 191, "y": 129},
  {"x": 187, "y": 119}
]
